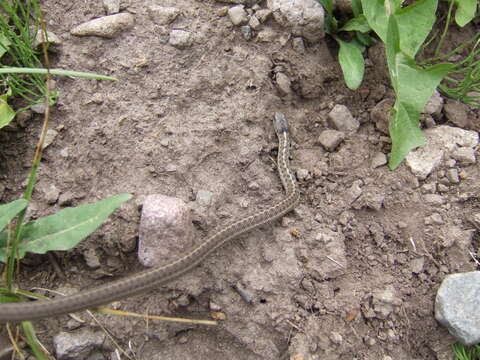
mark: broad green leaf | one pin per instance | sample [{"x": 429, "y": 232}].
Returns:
[
  {"x": 414, "y": 88},
  {"x": 405, "y": 133},
  {"x": 10, "y": 210},
  {"x": 65, "y": 229},
  {"x": 465, "y": 11},
  {"x": 377, "y": 18},
  {"x": 358, "y": 23},
  {"x": 352, "y": 63},
  {"x": 6, "y": 112},
  {"x": 414, "y": 24}
]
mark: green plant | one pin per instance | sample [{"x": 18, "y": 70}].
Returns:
[
  {"x": 350, "y": 53},
  {"x": 403, "y": 30},
  {"x": 466, "y": 353},
  {"x": 21, "y": 72},
  {"x": 66, "y": 228}
]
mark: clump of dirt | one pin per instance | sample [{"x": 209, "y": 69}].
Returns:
[{"x": 351, "y": 273}]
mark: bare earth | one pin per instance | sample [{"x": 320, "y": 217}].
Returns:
[{"x": 350, "y": 274}]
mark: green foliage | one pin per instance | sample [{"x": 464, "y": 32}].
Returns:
[
  {"x": 466, "y": 11},
  {"x": 466, "y": 353},
  {"x": 9, "y": 211},
  {"x": 61, "y": 231},
  {"x": 350, "y": 54}
]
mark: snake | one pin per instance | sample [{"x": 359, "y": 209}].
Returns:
[{"x": 155, "y": 276}]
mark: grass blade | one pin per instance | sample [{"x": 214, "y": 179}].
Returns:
[{"x": 21, "y": 70}]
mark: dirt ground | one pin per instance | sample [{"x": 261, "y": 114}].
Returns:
[{"x": 350, "y": 274}]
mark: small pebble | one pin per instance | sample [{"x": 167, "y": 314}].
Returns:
[
  {"x": 204, "y": 197},
  {"x": 163, "y": 15},
  {"x": 254, "y": 23},
  {"x": 302, "y": 174},
  {"x": 330, "y": 139},
  {"x": 246, "y": 32},
  {"x": 111, "y": 6},
  {"x": 180, "y": 38},
  {"x": 238, "y": 15},
  {"x": 379, "y": 159}
]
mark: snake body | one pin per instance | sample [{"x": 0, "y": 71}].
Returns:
[{"x": 148, "y": 279}]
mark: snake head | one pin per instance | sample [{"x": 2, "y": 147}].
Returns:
[{"x": 280, "y": 123}]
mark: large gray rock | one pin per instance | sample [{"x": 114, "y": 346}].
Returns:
[
  {"x": 457, "y": 304},
  {"x": 304, "y": 17}
]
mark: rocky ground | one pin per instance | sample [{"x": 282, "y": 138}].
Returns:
[{"x": 352, "y": 273}]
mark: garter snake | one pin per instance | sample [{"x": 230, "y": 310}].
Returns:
[{"x": 148, "y": 279}]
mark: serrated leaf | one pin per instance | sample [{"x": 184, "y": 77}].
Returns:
[
  {"x": 65, "y": 229},
  {"x": 352, "y": 63},
  {"x": 6, "y": 112},
  {"x": 10, "y": 210},
  {"x": 465, "y": 12},
  {"x": 358, "y": 23}
]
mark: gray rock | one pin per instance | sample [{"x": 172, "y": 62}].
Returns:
[
  {"x": 302, "y": 174},
  {"x": 77, "y": 345},
  {"x": 456, "y": 112},
  {"x": 111, "y": 6},
  {"x": 180, "y": 38},
  {"x": 51, "y": 194},
  {"x": 457, "y": 304},
  {"x": 330, "y": 139},
  {"x": 53, "y": 40},
  {"x": 49, "y": 137},
  {"x": 416, "y": 265},
  {"x": 283, "y": 84},
  {"x": 66, "y": 198},
  {"x": 381, "y": 114},
  {"x": 38, "y": 108},
  {"x": 452, "y": 176},
  {"x": 441, "y": 141},
  {"x": 342, "y": 119},
  {"x": 434, "y": 105},
  {"x": 106, "y": 26},
  {"x": 246, "y": 32},
  {"x": 91, "y": 258},
  {"x": 163, "y": 15},
  {"x": 204, "y": 197},
  {"x": 263, "y": 14},
  {"x": 434, "y": 199},
  {"x": 238, "y": 15},
  {"x": 379, "y": 159},
  {"x": 298, "y": 45},
  {"x": 165, "y": 229},
  {"x": 304, "y": 17},
  {"x": 267, "y": 35},
  {"x": 466, "y": 156},
  {"x": 354, "y": 192},
  {"x": 384, "y": 301},
  {"x": 254, "y": 23}
]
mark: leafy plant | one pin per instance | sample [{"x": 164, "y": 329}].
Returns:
[
  {"x": 404, "y": 31},
  {"x": 61, "y": 231},
  {"x": 350, "y": 54},
  {"x": 21, "y": 72}
]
